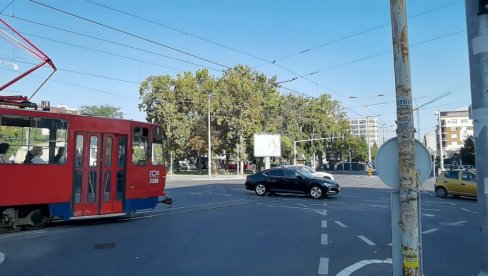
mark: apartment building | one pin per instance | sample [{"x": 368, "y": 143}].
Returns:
[
  {"x": 456, "y": 127},
  {"x": 366, "y": 127}
]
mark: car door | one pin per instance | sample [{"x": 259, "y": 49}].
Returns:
[
  {"x": 468, "y": 183},
  {"x": 274, "y": 179},
  {"x": 452, "y": 181},
  {"x": 293, "y": 181}
]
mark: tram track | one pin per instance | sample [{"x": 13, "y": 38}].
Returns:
[{"x": 5, "y": 232}]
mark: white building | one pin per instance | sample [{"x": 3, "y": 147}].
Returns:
[
  {"x": 362, "y": 127},
  {"x": 456, "y": 127}
]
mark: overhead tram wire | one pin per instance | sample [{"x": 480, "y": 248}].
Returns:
[
  {"x": 196, "y": 36},
  {"x": 85, "y": 73},
  {"x": 373, "y": 56},
  {"x": 103, "y": 52},
  {"x": 177, "y": 30},
  {"x": 130, "y": 34},
  {"x": 361, "y": 32},
  {"x": 9, "y": 4},
  {"x": 112, "y": 42}
]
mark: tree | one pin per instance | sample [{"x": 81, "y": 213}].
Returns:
[
  {"x": 468, "y": 152},
  {"x": 102, "y": 111}
]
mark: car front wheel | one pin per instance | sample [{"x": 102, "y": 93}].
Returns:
[
  {"x": 316, "y": 192},
  {"x": 260, "y": 190},
  {"x": 441, "y": 192}
]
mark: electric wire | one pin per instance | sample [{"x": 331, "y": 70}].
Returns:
[
  {"x": 374, "y": 55},
  {"x": 8, "y": 5},
  {"x": 361, "y": 32},
  {"x": 112, "y": 42},
  {"x": 129, "y": 34}
]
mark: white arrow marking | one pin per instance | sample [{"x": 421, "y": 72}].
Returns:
[
  {"x": 350, "y": 269},
  {"x": 366, "y": 240},
  {"x": 340, "y": 224},
  {"x": 430, "y": 231},
  {"x": 322, "y": 212}
]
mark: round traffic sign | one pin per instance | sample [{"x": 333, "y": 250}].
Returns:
[{"x": 388, "y": 167}]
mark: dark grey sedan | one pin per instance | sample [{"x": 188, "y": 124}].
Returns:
[{"x": 289, "y": 180}]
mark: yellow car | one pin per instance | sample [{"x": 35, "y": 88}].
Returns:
[{"x": 456, "y": 183}]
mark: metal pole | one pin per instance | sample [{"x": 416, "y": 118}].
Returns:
[
  {"x": 367, "y": 137},
  {"x": 294, "y": 152},
  {"x": 441, "y": 155},
  {"x": 409, "y": 191},
  {"x": 477, "y": 23},
  {"x": 209, "y": 155}
]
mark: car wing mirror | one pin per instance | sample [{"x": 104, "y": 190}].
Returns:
[{"x": 300, "y": 177}]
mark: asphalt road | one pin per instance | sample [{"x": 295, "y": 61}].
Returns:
[{"x": 216, "y": 227}]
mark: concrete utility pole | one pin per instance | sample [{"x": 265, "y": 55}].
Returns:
[
  {"x": 477, "y": 23},
  {"x": 409, "y": 191}
]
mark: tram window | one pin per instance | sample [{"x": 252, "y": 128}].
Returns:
[
  {"x": 93, "y": 151},
  {"x": 139, "y": 146},
  {"x": 92, "y": 186},
  {"x": 120, "y": 185},
  {"x": 157, "y": 146},
  {"x": 23, "y": 133},
  {"x": 79, "y": 151},
  {"x": 108, "y": 152},
  {"x": 121, "y": 153},
  {"x": 77, "y": 186}
]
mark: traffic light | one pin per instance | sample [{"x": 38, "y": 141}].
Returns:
[{"x": 483, "y": 6}]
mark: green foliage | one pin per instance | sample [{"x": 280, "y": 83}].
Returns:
[
  {"x": 468, "y": 152},
  {"x": 243, "y": 102},
  {"x": 102, "y": 111}
]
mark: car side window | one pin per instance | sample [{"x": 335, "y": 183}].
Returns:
[
  {"x": 452, "y": 174},
  {"x": 469, "y": 176},
  {"x": 275, "y": 173},
  {"x": 290, "y": 174}
]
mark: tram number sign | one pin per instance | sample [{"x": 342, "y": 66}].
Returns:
[{"x": 153, "y": 177}]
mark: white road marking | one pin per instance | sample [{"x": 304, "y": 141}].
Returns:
[
  {"x": 350, "y": 269},
  {"x": 469, "y": 211},
  {"x": 325, "y": 203},
  {"x": 435, "y": 210},
  {"x": 376, "y": 205},
  {"x": 196, "y": 193},
  {"x": 457, "y": 223},
  {"x": 450, "y": 203},
  {"x": 2, "y": 257},
  {"x": 430, "y": 231},
  {"x": 324, "y": 239},
  {"x": 324, "y": 224},
  {"x": 324, "y": 266},
  {"x": 303, "y": 205},
  {"x": 322, "y": 212},
  {"x": 340, "y": 224},
  {"x": 390, "y": 244},
  {"x": 366, "y": 240},
  {"x": 428, "y": 215}
]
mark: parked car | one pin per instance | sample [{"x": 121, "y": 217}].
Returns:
[
  {"x": 312, "y": 171},
  {"x": 189, "y": 167},
  {"x": 457, "y": 183},
  {"x": 290, "y": 180}
]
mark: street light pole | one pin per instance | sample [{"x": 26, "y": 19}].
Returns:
[{"x": 209, "y": 155}]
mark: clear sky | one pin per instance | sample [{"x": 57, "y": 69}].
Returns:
[{"x": 348, "y": 41}]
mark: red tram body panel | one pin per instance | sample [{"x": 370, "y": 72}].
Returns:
[{"x": 73, "y": 166}]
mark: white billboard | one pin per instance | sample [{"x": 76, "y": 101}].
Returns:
[{"x": 267, "y": 145}]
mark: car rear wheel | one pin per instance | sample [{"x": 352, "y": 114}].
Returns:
[
  {"x": 316, "y": 192},
  {"x": 260, "y": 190},
  {"x": 441, "y": 192}
]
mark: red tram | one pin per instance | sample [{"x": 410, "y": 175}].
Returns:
[{"x": 65, "y": 166}]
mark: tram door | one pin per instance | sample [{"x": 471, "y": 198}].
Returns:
[{"x": 96, "y": 183}]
